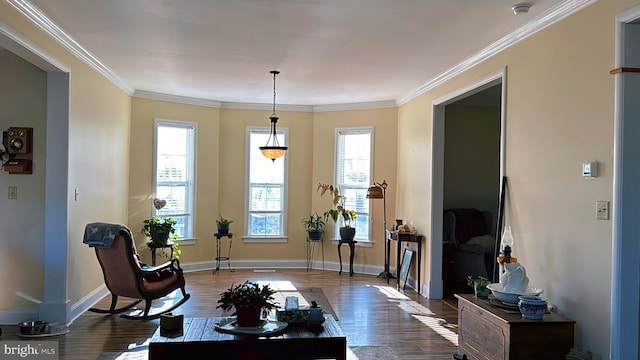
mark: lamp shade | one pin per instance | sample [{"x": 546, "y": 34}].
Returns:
[
  {"x": 273, "y": 152},
  {"x": 375, "y": 192}
]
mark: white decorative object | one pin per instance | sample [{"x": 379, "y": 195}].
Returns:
[
  {"x": 514, "y": 278},
  {"x": 291, "y": 303}
]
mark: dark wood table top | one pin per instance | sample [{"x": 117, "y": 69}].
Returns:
[
  {"x": 509, "y": 317},
  {"x": 297, "y": 341}
]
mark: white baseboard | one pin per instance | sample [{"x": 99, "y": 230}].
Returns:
[{"x": 12, "y": 317}]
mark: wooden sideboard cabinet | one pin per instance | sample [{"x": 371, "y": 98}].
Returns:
[{"x": 488, "y": 333}]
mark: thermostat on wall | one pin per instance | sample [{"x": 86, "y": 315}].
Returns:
[{"x": 590, "y": 169}]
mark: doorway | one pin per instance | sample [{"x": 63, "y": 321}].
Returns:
[{"x": 491, "y": 86}]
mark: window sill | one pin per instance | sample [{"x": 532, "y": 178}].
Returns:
[
  {"x": 186, "y": 241},
  {"x": 273, "y": 240}
]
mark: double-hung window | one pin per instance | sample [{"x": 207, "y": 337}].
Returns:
[
  {"x": 354, "y": 149},
  {"x": 266, "y": 192},
  {"x": 174, "y": 169}
]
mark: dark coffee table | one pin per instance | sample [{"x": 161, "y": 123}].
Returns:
[{"x": 296, "y": 342}]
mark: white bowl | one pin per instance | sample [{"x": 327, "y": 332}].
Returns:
[{"x": 510, "y": 298}]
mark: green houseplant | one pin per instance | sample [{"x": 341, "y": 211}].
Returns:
[
  {"x": 250, "y": 300},
  {"x": 347, "y": 232},
  {"x": 160, "y": 230},
  {"x": 314, "y": 224},
  {"x": 223, "y": 224},
  {"x": 479, "y": 285}
]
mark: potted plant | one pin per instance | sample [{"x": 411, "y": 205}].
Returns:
[
  {"x": 223, "y": 224},
  {"x": 250, "y": 300},
  {"x": 346, "y": 232},
  {"x": 314, "y": 225},
  {"x": 160, "y": 230},
  {"x": 479, "y": 285}
]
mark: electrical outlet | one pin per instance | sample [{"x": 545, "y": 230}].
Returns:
[
  {"x": 13, "y": 193},
  {"x": 602, "y": 210}
]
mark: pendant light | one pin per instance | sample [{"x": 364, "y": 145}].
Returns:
[{"x": 273, "y": 150}]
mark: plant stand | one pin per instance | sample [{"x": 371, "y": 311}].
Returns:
[
  {"x": 155, "y": 246},
  {"x": 311, "y": 244},
  {"x": 220, "y": 258}
]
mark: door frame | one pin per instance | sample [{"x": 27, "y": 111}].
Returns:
[
  {"x": 625, "y": 252},
  {"x": 55, "y": 305},
  {"x": 435, "y": 287}
]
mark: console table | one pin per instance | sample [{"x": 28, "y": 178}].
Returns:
[
  {"x": 219, "y": 258},
  {"x": 488, "y": 333},
  {"x": 406, "y": 237},
  {"x": 199, "y": 337}
]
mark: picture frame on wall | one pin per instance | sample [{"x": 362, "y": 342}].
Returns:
[{"x": 407, "y": 256}]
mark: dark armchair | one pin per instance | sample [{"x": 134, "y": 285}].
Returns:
[{"x": 468, "y": 247}]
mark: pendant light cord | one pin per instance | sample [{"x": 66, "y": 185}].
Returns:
[{"x": 274, "y": 91}]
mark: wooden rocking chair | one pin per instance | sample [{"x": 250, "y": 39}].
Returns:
[{"x": 125, "y": 275}]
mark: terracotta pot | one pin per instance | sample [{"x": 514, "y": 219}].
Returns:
[{"x": 248, "y": 317}]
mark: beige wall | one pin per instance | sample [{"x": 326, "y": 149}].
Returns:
[
  {"x": 559, "y": 114},
  {"x": 384, "y": 168},
  {"x": 99, "y": 114},
  {"x": 22, "y": 103},
  {"x": 207, "y": 119},
  {"x": 221, "y": 174}
]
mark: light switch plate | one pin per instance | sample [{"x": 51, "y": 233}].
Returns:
[
  {"x": 13, "y": 193},
  {"x": 602, "y": 210}
]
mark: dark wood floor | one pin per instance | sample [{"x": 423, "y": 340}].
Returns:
[{"x": 370, "y": 313}]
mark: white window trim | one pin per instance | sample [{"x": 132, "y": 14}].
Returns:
[
  {"x": 169, "y": 122},
  {"x": 354, "y": 130},
  {"x": 266, "y": 239}
]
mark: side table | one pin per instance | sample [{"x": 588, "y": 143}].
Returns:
[
  {"x": 154, "y": 246},
  {"x": 352, "y": 246},
  {"x": 219, "y": 258},
  {"x": 406, "y": 237}
]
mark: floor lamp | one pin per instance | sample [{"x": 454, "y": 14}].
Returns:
[{"x": 379, "y": 191}]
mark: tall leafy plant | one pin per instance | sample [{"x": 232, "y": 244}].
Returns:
[{"x": 338, "y": 201}]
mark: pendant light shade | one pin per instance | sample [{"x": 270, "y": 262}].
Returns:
[{"x": 273, "y": 150}]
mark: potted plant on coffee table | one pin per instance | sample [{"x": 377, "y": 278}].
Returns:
[
  {"x": 347, "y": 232},
  {"x": 249, "y": 300},
  {"x": 314, "y": 224}
]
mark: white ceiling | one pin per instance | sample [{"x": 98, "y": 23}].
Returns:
[{"x": 328, "y": 51}]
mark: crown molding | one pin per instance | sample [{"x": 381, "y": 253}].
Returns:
[
  {"x": 258, "y": 106},
  {"x": 356, "y": 106},
  {"x": 176, "y": 99},
  {"x": 18, "y": 44},
  {"x": 39, "y": 18},
  {"x": 547, "y": 18}
]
